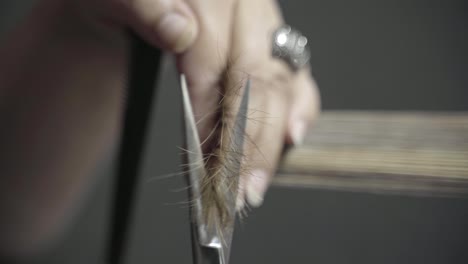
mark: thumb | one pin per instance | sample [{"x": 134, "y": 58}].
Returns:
[{"x": 170, "y": 25}]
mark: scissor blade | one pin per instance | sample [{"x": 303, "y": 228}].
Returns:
[
  {"x": 237, "y": 143},
  {"x": 195, "y": 164},
  {"x": 210, "y": 244},
  {"x": 144, "y": 69}
]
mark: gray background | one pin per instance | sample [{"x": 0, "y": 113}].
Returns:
[{"x": 366, "y": 54}]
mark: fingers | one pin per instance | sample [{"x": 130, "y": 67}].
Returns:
[
  {"x": 270, "y": 98},
  {"x": 204, "y": 62},
  {"x": 168, "y": 24},
  {"x": 304, "y": 108},
  {"x": 199, "y": 31},
  {"x": 266, "y": 131},
  {"x": 284, "y": 111},
  {"x": 282, "y": 102}
]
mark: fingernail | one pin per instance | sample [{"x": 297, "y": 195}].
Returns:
[
  {"x": 240, "y": 203},
  {"x": 256, "y": 187},
  {"x": 298, "y": 132},
  {"x": 176, "y": 31}
]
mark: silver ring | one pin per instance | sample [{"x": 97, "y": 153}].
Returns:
[{"x": 290, "y": 46}]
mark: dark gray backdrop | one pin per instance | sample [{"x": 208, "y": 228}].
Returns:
[{"x": 366, "y": 54}]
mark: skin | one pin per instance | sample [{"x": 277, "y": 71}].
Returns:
[{"x": 61, "y": 91}]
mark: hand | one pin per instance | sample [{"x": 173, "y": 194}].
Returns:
[
  {"x": 282, "y": 103},
  {"x": 61, "y": 84},
  {"x": 207, "y": 35}
]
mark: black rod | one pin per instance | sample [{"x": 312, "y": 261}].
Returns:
[{"x": 142, "y": 80}]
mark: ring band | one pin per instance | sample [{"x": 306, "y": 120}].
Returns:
[{"x": 290, "y": 46}]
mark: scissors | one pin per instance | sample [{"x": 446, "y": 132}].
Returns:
[{"x": 210, "y": 245}]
